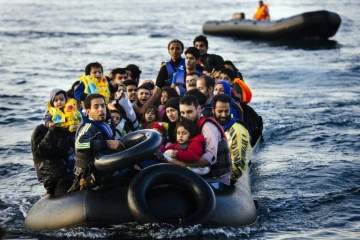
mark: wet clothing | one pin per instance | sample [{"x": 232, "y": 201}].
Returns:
[
  {"x": 51, "y": 150},
  {"x": 208, "y": 61},
  {"x": 191, "y": 150}
]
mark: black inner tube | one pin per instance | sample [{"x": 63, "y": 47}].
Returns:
[{"x": 171, "y": 194}]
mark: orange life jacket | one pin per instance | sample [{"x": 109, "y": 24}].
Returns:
[
  {"x": 261, "y": 13},
  {"x": 246, "y": 93}
]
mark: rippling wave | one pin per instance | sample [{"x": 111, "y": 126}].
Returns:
[{"x": 305, "y": 177}]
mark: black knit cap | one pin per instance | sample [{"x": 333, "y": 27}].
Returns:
[
  {"x": 178, "y": 41},
  {"x": 174, "y": 103}
]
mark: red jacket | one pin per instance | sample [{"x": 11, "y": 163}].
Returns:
[{"x": 194, "y": 150}]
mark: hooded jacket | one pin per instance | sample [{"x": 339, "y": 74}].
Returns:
[
  {"x": 66, "y": 117},
  {"x": 191, "y": 150}
]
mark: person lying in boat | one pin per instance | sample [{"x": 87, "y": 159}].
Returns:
[
  {"x": 216, "y": 153},
  {"x": 238, "y": 136},
  {"x": 262, "y": 13},
  {"x": 208, "y": 61},
  {"x": 94, "y": 135}
]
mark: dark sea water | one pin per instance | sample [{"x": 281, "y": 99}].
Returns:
[{"x": 306, "y": 174}]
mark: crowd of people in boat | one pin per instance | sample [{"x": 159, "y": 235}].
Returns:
[{"x": 199, "y": 104}]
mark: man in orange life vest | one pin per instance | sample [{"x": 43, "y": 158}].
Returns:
[{"x": 262, "y": 13}]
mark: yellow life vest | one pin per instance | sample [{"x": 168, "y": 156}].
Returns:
[
  {"x": 93, "y": 85},
  {"x": 69, "y": 117},
  {"x": 238, "y": 139}
]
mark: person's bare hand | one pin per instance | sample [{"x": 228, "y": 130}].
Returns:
[
  {"x": 113, "y": 83},
  {"x": 51, "y": 125},
  {"x": 115, "y": 145},
  {"x": 173, "y": 153},
  {"x": 168, "y": 144},
  {"x": 156, "y": 90}
]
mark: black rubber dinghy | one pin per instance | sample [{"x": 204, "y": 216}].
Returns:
[{"x": 162, "y": 193}]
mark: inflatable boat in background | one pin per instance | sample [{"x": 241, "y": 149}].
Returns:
[{"x": 318, "y": 24}]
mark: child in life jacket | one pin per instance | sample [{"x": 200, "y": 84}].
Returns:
[
  {"x": 189, "y": 145},
  {"x": 62, "y": 112},
  {"x": 93, "y": 81},
  {"x": 63, "y": 118}
]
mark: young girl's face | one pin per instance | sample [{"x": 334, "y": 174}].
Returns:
[
  {"x": 150, "y": 116},
  {"x": 59, "y": 100},
  {"x": 164, "y": 97},
  {"x": 219, "y": 89},
  {"x": 96, "y": 72},
  {"x": 182, "y": 135},
  {"x": 116, "y": 118}
]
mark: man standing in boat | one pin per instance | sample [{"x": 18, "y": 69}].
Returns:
[
  {"x": 238, "y": 136},
  {"x": 94, "y": 135},
  {"x": 216, "y": 149},
  {"x": 262, "y": 13}
]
